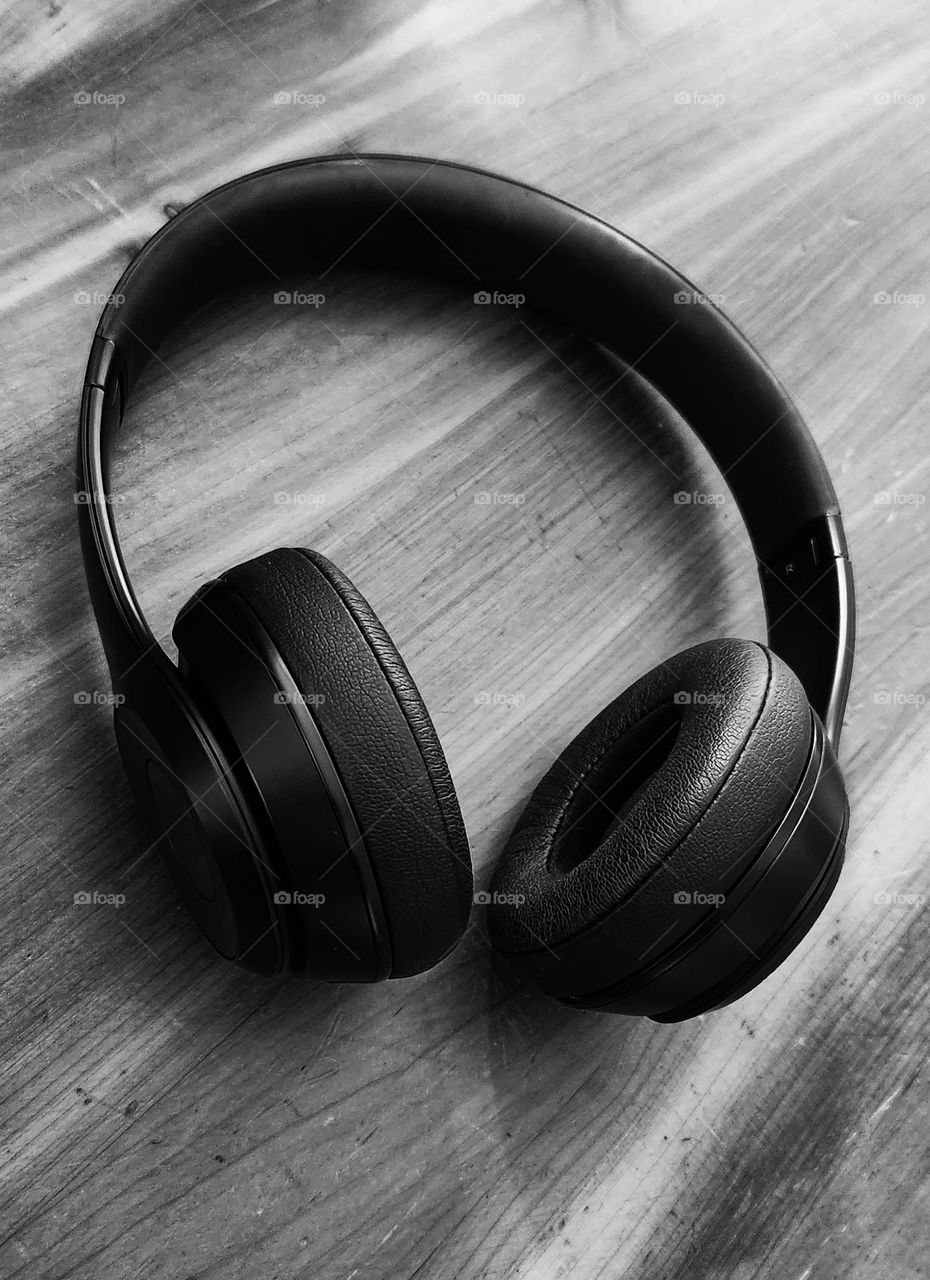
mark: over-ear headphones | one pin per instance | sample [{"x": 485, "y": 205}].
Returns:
[{"x": 684, "y": 841}]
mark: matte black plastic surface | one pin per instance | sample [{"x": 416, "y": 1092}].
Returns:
[
  {"x": 432, "y": 216},
  {"x": 436, "y": 217},
  {"x": 325, "y": 893},
  {"x": 206, "y": 833}
]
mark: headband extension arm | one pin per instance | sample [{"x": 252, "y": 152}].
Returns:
[{"x": 810, "y": 615}]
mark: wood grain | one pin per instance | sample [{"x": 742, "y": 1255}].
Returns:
[{"x": 166, "y": 1116}]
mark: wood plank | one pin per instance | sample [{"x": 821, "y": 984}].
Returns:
[{"x": 163, "y": 1115}]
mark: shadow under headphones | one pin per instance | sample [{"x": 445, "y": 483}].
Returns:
[{"x": 685, "y": 840}]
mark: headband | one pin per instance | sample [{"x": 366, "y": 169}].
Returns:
[{"x": 435, "y": 217}]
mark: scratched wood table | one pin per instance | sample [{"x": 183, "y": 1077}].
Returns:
[{"x": 164, "y": 1115}]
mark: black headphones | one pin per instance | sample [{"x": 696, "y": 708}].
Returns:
[{"x": 683, "y": 842}]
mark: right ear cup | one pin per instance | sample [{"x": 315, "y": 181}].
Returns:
[
  {"x": 678, "y": 844},
  {"x": 381, "y": 741}
]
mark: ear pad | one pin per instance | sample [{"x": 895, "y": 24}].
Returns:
[
  {"x": 382, "y": 743},
  {"x": 672, "y": 790}
]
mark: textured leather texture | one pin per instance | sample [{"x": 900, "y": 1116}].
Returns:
[
  {"x": 584, "y": 898},
  {"x": 382, "y": 742}
]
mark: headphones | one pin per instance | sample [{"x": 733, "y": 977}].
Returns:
[{"x": 683, "y": 842}]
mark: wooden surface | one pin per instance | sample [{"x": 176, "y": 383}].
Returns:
[{"x": 164, "y": 1115}]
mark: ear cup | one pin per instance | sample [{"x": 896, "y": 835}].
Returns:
[
  {"x": 382, "y": 743},
  {"x": 657, "y": 807}
]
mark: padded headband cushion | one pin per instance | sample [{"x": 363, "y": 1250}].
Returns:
[
  {"x": 672, "y": 788},
  {"x": 432, "y": 216},
  {"x": 382, "y": 743},
  {"x": 424, "y": 215}
]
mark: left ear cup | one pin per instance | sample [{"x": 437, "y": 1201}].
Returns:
[
  {"x": 381, "y": 740},
  {"x": 658, "y": 810}
]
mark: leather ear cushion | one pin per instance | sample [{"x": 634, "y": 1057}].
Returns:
[
  {"x": 673, "y": 789},
  {"x": 382, "y": 743}
]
